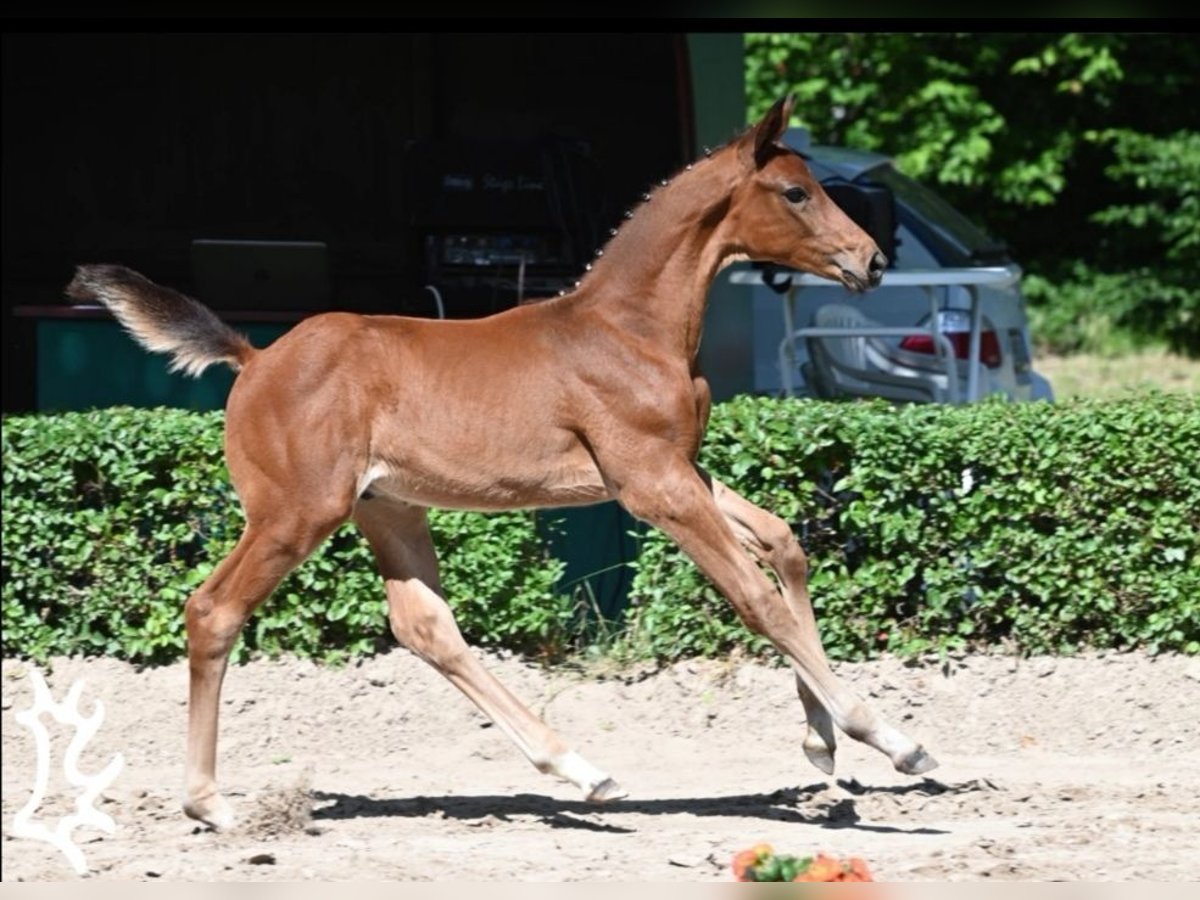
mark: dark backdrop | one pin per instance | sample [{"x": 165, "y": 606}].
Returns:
[{"x": 124, "y": 148}]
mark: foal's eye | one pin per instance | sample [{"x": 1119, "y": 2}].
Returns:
[{"x": 796, "y": 195}]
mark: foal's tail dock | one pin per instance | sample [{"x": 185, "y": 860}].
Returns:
[{"x": 162, "y": 320}]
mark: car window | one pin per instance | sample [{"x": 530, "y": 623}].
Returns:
[
  {"x": 951, "y": 237},
  {"x": 911, "y": 253}
]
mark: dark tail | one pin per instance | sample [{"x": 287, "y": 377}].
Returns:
[{"x": 161, "y": 319}]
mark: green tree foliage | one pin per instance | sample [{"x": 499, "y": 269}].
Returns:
[{"x": 1081, "y": 151}]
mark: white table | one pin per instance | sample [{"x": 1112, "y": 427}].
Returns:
[{"x": 928, "y": 279}]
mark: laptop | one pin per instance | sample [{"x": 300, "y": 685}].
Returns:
[{"x": 290, "y": 276}]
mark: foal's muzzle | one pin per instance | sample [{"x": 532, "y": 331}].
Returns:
[{"x": 858, "y": 280}]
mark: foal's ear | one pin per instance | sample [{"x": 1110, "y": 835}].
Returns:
[{"x": 770, "y": 130}]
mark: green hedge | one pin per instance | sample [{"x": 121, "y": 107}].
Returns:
[
  {"x": 112, "y": 517},
  {"x": 1042, "y": 527},
  {"x": 1078, "y": 526}
]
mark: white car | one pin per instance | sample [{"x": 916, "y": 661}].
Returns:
[{"x": 924, "y": 237}]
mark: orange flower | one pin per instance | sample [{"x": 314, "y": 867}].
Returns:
[
  {"x": 760, "y": 863},
  {"x": 823, "y": 868},
  {"x": 744, "y": 861},
  {"x": 856, "y": 870}
]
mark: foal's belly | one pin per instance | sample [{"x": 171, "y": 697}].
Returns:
[{"x": 484, "y": 482}]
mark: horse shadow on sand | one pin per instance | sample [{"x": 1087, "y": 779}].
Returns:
[{"x": 821, "y": 804}]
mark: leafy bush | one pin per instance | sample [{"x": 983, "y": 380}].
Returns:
[
  {"x": 112, "y": 518},
  {"x": 1048, "y": 527}
]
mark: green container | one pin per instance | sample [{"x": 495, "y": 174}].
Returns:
[
  {"x": 87, "y": 363},
  {"x": 597, "y": 544}
]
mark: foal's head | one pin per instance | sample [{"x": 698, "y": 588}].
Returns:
[{"x": 781, "y": 214}]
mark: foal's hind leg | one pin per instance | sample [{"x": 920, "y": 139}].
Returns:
[
  {"x": 422, "y": 622},
  {"x": 265, "y": 554}
]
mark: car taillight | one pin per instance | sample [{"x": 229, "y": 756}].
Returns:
[{"x": 956, "y": 327}]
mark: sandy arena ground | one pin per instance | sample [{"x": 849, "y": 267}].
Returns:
[{"x": 1052, "y": 769}]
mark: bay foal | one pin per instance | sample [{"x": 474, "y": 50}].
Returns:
[{"x": 586, "y": 397}]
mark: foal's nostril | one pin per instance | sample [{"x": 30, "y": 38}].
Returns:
[{"x": 876, "y": 267}]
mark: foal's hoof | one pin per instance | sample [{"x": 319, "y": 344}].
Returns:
[
  {"x": 820, "y": 755},
  {"x": 213, "y": 811},
  {"x": 606, "y": 791},
  {"x": 916, "y": 763}
]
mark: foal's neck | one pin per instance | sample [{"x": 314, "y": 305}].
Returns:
[{"x": 652, "y": 278}]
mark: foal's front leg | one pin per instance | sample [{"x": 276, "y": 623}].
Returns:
[
  {"x": 771, "y": 541},
  {"x": 677, "y": 499}
]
